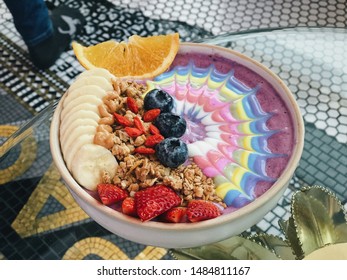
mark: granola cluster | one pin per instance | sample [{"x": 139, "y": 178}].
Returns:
[
  {"x": 136, "y": 171},
  {"x": 139, "y": 171}
]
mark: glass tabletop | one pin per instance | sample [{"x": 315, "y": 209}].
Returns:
[{"x": 40, "y": 220}]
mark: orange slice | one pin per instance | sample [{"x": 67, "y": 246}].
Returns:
[{"x": 140, "y": 57}]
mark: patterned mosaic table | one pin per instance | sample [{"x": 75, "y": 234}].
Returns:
[{"x": 38, "y": 217}]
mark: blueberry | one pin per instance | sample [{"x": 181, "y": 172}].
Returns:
[
  {"x": 172, "y": 152},
  {"x": 170, "y": 125},
  {"x": 158, "y": 99}
]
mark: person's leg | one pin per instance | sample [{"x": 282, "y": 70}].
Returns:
[
  {"x": 66, "y": 23},
  {"x": 31, "y": 19},
  {"x": 47, "y": 34}
]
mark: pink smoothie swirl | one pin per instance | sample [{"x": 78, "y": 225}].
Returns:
[{"x": 238, "y": 129}]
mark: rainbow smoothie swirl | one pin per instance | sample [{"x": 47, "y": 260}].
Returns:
[{"x": 239, "y": 131}]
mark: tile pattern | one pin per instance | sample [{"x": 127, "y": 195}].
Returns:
[
  {"x": 18, "y": 161},
  {"x": 96, "y": 247},
  {"x": 321, "y": 92},
  {"x": 37, "y": 216},
  {"x": 314, "y": 68},
  {"x": 323, "y": 163},
  {"x": 33, "y": 88},
  {"x": 220, "y": 16}
]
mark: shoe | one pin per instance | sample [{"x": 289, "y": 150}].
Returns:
[{"x": 67, "y": 22}]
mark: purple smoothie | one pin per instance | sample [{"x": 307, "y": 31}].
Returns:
[{"x": 270, "y": 101}]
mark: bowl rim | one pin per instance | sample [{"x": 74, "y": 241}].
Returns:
[{"x": 286, "y": 175}]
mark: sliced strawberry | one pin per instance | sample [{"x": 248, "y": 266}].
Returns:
[
  {"x": 153, "y": 201},
  {"x": 110, "y": 193},
  {"x": 200, "y": 210},
  {"x": 128, "y": 206},
  {"x": 175, "y": 214}
]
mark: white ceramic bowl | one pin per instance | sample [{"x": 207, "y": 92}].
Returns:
[{"x": 181, "y": 235}]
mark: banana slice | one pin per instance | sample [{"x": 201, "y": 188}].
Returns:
[
  {"x": 67, "y": 139},
  {"x": 79, "y": 120},
  {"x": 97, "y": 72},
  {"x": 74, "y": 125},
  {"x": 88, "y": 99},
  {"x": 70, "y": 151},
  {"x": 83, "y": 114},
  {"x": 85, "y": 90},
  {"x": 89, "y": 164},
  {"x": 84, "y": 106},
  {"x": 100, "y": 81}
]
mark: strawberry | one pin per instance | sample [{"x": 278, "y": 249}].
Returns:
[
  {"x": 153, "y": 201},
  {"x": 128, "y": 206},
  {"x": 153, "y": 140},
  {"x": 132, "y": 105},
  {"x": 151, "y": 115},
  {"x": 144, "y": 150},
  {"x": 200, "y": 210},
  {"x": 175, "y": 214},
  {"x": 110, "y": 194}
]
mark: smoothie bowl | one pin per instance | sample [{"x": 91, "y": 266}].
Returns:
[{"x": 228, "y": 133}]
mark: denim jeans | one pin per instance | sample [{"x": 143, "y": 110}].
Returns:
[{"x": 31, "y": 19}]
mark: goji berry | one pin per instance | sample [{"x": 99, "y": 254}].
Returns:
[
  {"x": 151, "y": 115},
  {"x": 153, "y": 140},
  {"x": 122, "y": 120},
  {"x": 144, "y": 150},
  {"x": 132, "y": 105},
  {"x": 153, "y": 129},
  {"x": 138, "y": 124},
  {"x": 133, "y": 132}
]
